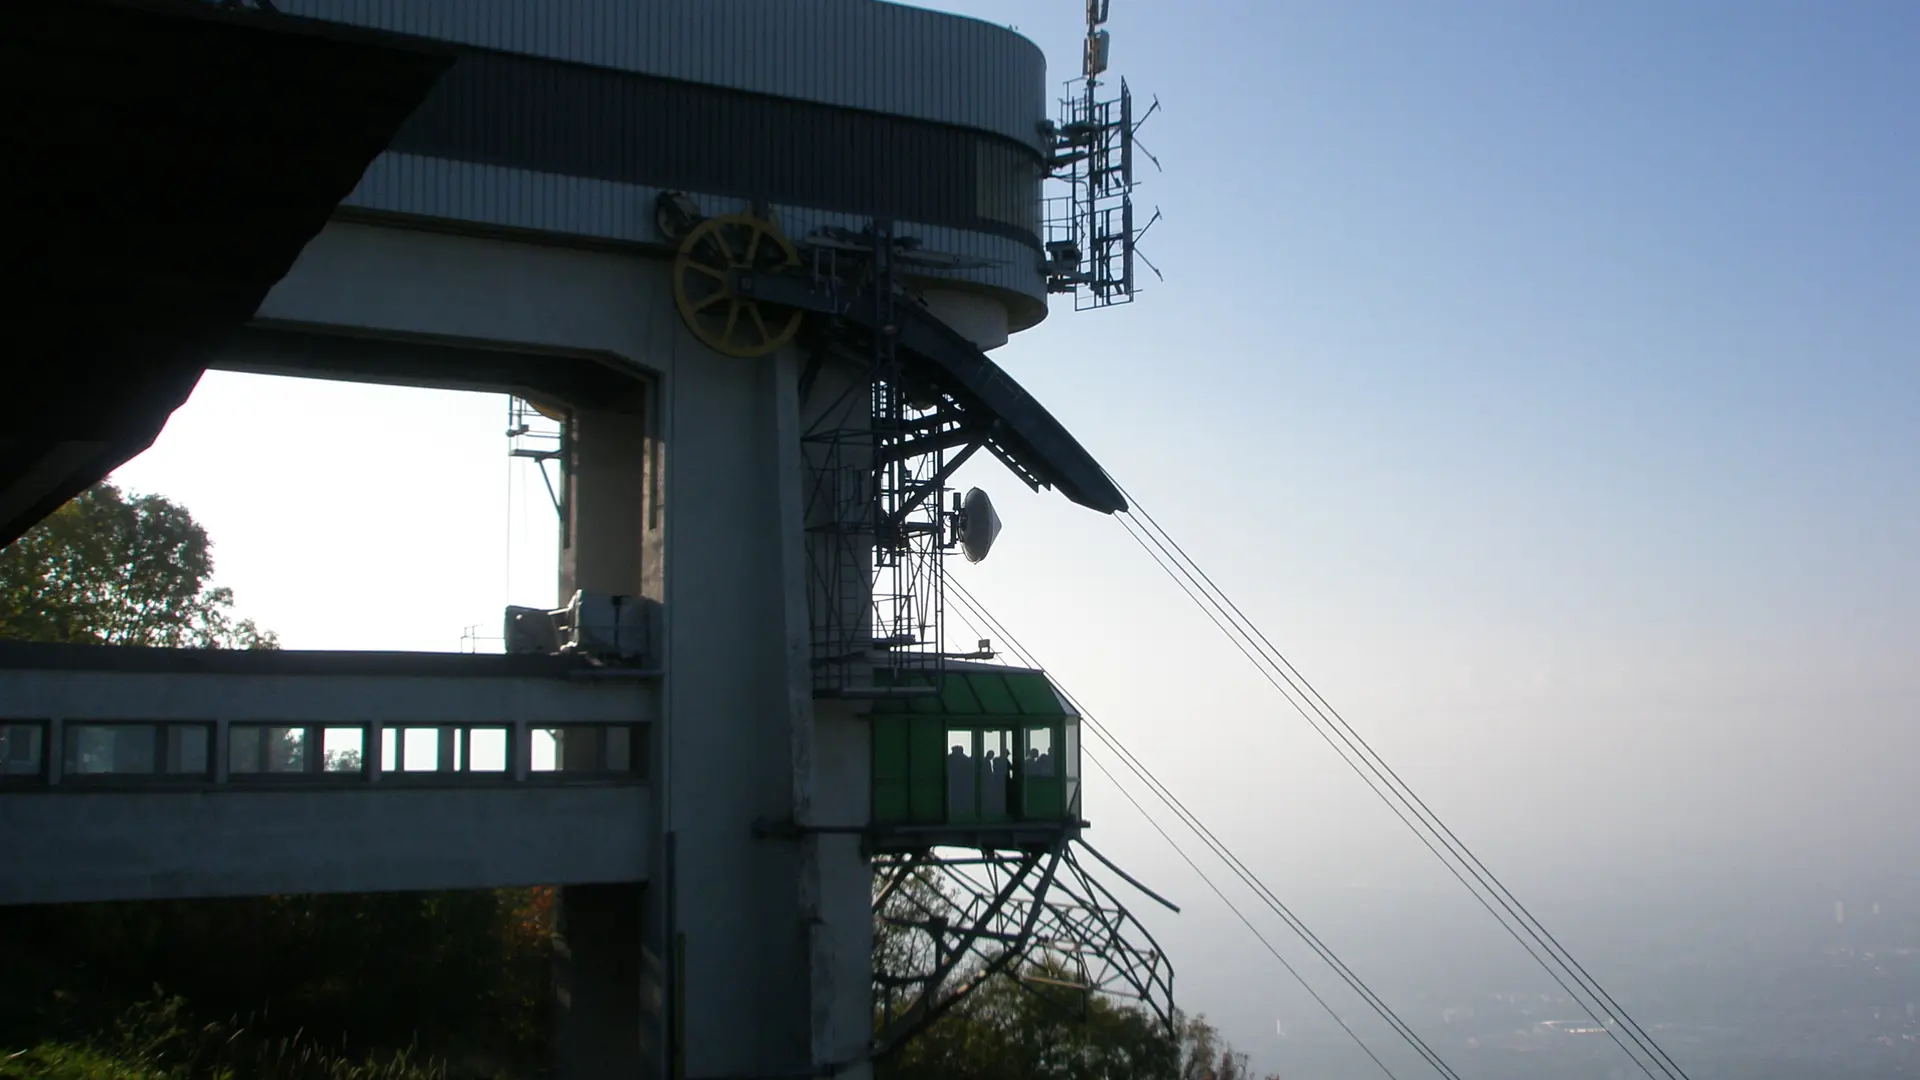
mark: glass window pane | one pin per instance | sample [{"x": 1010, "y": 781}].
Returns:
[
  {"x": 243, "y": 749},
  {"x": 187, "y": 748},
  {"x": 89, "y": 749},
  {"x": 963, "y": 800},
  {"x": 286, "y": 748},
  {"x": 544, "y": 755},
  {"x": 389, "y": 754},
  {"x": 995, "y": 772},
  {"x": 266, "y": 748},
  {"x": 577, "y": 749},
  {"x": 121, "y": 749},
  {"x": 342, "y": 749},
  {"x": 422, "y": 749},
  {"x": 487, "y": 750},
  {"x": 585, "y": 748},
  {"x": 133, "y": 748},
  {"x": 1039, "y": 752},
  {"x": 22, "y": 749}
]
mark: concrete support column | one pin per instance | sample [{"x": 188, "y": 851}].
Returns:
[
  {"x": 829, "y": 766},
  {"x": 611, "y": 543},
  {"x": 842, "y": 939},
  {"x": 609, "y": 939}
]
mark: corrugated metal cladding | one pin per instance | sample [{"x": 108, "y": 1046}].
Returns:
[
  {"x": 546, "y": 116},
  {"x": 577, "y": 206},
  {"x": 859, "y": 54}
]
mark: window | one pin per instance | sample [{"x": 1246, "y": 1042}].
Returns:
[
  {"x": 23, "y": 750},
  {"x": 343, "y": 750},
  {"x": 586, "y": 748},
  {"x": 136, "y": 749},
  {"x": 266, "y": 748},
  {"x": 963, "y": 797}
]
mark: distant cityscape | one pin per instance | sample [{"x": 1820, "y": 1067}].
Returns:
[{"x": 1835, "y": 998}]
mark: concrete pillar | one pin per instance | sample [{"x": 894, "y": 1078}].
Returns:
[
  {"x": 775, "y": 956},
  {"x": 609, "y": 939},
  {"x": 832, "y": 747},
  {"x": 612, "y": 540},
  {"x": 842, "y": 943},
  {"x": 742, "y": 956}
]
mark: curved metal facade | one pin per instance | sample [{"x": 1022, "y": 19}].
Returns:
[
  {"x": 857, "y": 54},
  {"x": 568, "y": 116},
  {"x": 546, "y": 116},
  {"x": 524, "y": 200}
]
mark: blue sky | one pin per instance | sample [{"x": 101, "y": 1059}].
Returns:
[{"x": 1541, "y": 377}]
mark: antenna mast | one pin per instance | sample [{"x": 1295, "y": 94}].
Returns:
[{"x": 1091, "y": 238}]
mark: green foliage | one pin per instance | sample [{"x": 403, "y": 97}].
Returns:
[
  {"x": 464, "y": 976},
  {"x": 1021, "y": 1029},
  {"x": 57, "y": 1061},
  {"x": 107, "y": 569},
  {"x": 153, "y": 1040},
  {"x": 1035, "y": 1028},
  {"x": 1034, "y": 1024}
]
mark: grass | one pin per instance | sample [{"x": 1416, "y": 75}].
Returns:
[
  {"x": 55, "y": 1061},
  {"x": 151, "y": 1042}
]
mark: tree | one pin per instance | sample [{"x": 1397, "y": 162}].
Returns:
[
  {"x": 446, "y": 973},
  {"x": 1031, "y": 1022},
  {"x": 109, "y": 569}
]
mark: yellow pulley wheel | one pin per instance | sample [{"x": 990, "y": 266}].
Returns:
[{"x": 723, "y": 320}]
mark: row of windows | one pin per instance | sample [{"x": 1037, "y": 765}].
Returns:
[
  {"x": 183, "y": 750},
  {"x": 926, "y": 772}
]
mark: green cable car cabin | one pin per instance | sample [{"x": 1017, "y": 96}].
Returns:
[{"x": 993, "y": 757}]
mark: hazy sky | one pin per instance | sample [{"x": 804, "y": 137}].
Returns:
[{"x": 1540, "y": 376}]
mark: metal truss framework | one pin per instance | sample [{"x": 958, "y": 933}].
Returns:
[
  {"x": 878, "y": 456},
  {"x": 947, "y": 921},
  {"x": 878, "y": 452}
]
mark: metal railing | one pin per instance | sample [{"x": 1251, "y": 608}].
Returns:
[{"x": 82, "y": 754}]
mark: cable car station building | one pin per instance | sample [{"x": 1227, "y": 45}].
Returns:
[{"x": 745, "y": 261}]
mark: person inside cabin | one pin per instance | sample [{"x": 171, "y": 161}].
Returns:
[
  {"x": 1039, "y": 763},
  {"x": 959, "y": 783},
  {"x": 995, "y": 802}
]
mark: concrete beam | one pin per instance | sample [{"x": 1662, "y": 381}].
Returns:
[
  {"x": 269, "y": 687},
  {"x": 73, "y": 846}
]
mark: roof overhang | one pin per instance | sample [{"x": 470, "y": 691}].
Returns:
[
  {"x": 170, "y": 161},
  {"x": 1016, "y": 427},
  {"x": 983, "y": 695},
  {"x": 939, "y": 364}
]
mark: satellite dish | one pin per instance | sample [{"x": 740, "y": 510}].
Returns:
[{"x": 977, "y": 525}]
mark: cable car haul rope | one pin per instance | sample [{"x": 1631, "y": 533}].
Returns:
[{"x": 1380, "y": 778}]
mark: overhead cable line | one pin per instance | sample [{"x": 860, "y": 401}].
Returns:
[
  {"x": 987, "y": 621},
  {"x": 1372, "y": 783},
  {"x": 1238, "y": 914},
  {"x": 1364, "y": 760}
]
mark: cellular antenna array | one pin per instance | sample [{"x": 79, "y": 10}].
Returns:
[{"x": 1092, "y": 241}]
